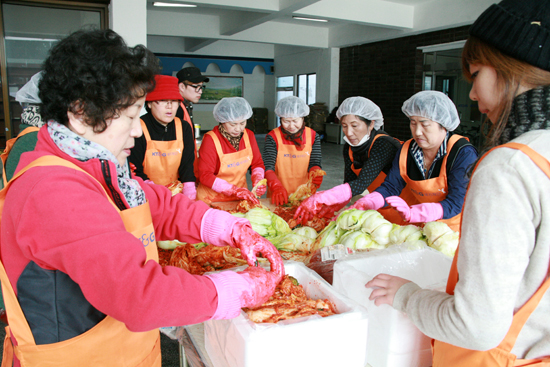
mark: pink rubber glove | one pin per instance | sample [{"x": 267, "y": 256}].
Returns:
[
  {"x": 251, "y": 243},
  {"x": 320, "y": 200},
  {"x": 228, "y": 189},
  {"x": 189, "y": 190},
  {"x": 279, "y": 195},
  {"x": 261, "y": 285},
  {"x": 419, "y": 213},
  {"x": 317, "y": 181},
  {"x": 248, "y": 288},
  {"x": 372, "y": 201},
  {"x": 258, "y": 175}
]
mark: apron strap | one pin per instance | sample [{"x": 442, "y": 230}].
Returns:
[
  {"x": 179, "y": 129},
  {"x": 145, "y": 131},
  {"x": 7, "y": 355}
]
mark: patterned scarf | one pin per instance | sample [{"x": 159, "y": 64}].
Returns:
[
  {"x": 418, "y": 156},
  {"x": 31, "y": 116},
  {"x": 530, "y": 111},
  {"x": 234, "y": 141},
  {"x": 83, "y": 149},
  {"x": 295, "y": 138}
]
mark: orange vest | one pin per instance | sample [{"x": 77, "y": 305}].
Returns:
[
  {"x": 380, "y": 178},
  {"x": 447, "y": 355},
  {"x": 9, "y": 145},
  {"x": 432, "y": 190},
  {"x": 187, "y": 118},
  {"x": 292, "y": 164},
  {"x": 233, "y": 167},
  {"x": 163, "y": 158},
  {"x": 109, "y": 343}
]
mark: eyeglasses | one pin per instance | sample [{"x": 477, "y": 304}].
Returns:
[{"x": 198, "y": 88}]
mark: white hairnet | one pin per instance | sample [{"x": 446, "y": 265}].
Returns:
[
  {"x": 29, "y": 92},
  {"x": 291, "y": 107},
  {"x": 433, "y": 105},
  {"x": 363, "y": 107},
  {"x": 232, "y": 109}
]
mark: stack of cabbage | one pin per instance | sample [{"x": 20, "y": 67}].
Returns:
[
  {"x": 276, "y": 230},
  {"x": 367, "y": 229}
]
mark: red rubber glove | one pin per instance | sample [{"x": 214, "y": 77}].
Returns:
[
  {"x": 279, "y": 195},
  {"x": 372, "y": 201},
  {"x": 257, "y": 175},
  {"x": 228, "y": 189},
  {"x": 251, "y": 243},
  {"x": 314, "y": 204},
  {"x": 419, "y": 213},
  {"x": 318, "y": 180},
  {"x": 261, "y": 286}
]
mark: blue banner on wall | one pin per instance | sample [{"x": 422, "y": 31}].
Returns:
[{"x": 173, "y": 63}]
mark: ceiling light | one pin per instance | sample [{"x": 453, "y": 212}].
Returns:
[
  {"x": 311, "y": 19},
  {"x": 157, "y": 3},
  {"x": 31, "y": 39}
]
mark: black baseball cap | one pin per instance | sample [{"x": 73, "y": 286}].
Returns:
[{"x": 191, "y": 74}]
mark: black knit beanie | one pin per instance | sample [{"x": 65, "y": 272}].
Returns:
[{"x": 517, "y": 28}]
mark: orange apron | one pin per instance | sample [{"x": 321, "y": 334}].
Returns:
[
  {"x": 379, "y": 179},
  {"x": 163, "y": 158},
  {"x": 432, "y": 190},
  {"x": 233, "y": 167},
  {"x": 447, "y": 355},
  {"x": 109, "y": 343},
  {"x": 292, "y": 164},
  {"x": 9, "y": 146},
  {"x": 187, "y": 118}
]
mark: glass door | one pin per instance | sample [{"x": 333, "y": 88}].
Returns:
[{"x": 30, "y": 29}]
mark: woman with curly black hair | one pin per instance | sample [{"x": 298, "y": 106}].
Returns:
[{"x": 83, "y": 286}]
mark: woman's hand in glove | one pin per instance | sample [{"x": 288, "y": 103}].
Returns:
[
  {"x": 251, "y": 243},
  {"x": 419, "y": 213},
  {"x": 257, "y": 175},
  {"x": 323, "y": 201},
  {"x": 372, "y": 201},
  {"x": 279, "y": 195},
  {"x": 261, "y": 286},
  {"x": 317, "y": 180},
  {"x": 228, "y": 189}
]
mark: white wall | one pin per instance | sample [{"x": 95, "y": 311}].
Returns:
[
  {"x": 127, "y": 17},
  {"x": 323, "y": 62}
]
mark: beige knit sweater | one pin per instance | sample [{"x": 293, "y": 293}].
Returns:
[{"x": 504, "y": 257}]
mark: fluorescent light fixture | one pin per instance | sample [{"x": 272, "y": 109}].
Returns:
[
  {"x": 311, "y": 19},
  {"x": 158, "y": 3},
  {"x": 31, "y": 39}
]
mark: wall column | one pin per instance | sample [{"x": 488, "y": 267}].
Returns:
[{"x": 129, "y": 19}]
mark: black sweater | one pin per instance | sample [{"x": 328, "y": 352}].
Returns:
[{"x": 165, "y": 133}]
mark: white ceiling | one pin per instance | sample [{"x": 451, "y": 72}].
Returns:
[{"x": 270, "y": 22}]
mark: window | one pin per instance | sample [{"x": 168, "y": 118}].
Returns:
[
  {"x": 307, "y": 84},
  {"x": 285, "y": 87},
  {"x": 306, "y": 88},
  {"x": 28, "y": 42}
]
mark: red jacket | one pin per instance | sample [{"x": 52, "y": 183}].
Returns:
[
  {"x": 209, "y": 162},
  {"x": 55, "y": 220}
]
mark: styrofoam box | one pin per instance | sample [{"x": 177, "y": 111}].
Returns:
[
  {"x": 393, "y": 338},
  {"x": 337, "y": 340}
]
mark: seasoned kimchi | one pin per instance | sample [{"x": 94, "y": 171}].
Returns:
[{"x": 289, "y": 302}]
